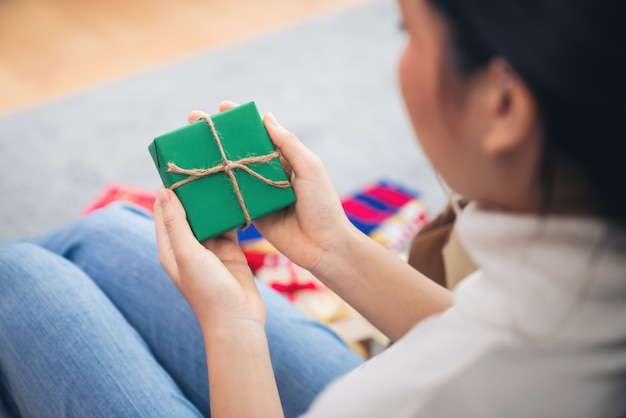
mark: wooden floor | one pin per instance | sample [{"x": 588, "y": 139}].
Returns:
[{"x": 50, "y": 47}]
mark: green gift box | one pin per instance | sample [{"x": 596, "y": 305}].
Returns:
[{"x": 198, "y": 155}]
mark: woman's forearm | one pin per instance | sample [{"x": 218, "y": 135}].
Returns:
[
  {"x": 241, "y": 379},
  {"x": 383, "y": 288}
]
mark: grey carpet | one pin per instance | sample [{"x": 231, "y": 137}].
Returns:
[{"x": 331, "y": 80}]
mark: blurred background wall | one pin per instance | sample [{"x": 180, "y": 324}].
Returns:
[
  {"x": 86, "y": 86},
  {"x": 51, "y": 47}
]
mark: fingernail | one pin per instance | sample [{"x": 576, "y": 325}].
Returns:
[
  {"x": 163, "y": 196},
  {"x": 272, "y": 119}
]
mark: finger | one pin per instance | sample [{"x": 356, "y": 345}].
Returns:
[
  {"x": 212, "y": 243},
  {"x": 296, "y": 154},
  {"x": 173, "y": 220},
  {"x": 195, "y": 115},
  {"x": 226, "y": 105}
]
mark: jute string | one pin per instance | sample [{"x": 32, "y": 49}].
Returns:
[{"x": 227, "y": 166}]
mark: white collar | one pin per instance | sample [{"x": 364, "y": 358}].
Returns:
[{"x": 544, "y": 278}]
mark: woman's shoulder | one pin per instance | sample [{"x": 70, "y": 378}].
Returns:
[
  {"x": 532, "y": 381},
  {"x": 448, "y": 365}
]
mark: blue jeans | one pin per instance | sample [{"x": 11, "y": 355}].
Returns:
[{"x": 91, "y": 326}]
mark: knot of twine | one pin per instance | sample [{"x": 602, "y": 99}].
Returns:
[{"x": 227, "y": 166}]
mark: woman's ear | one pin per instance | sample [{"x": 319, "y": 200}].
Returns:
[{"x": 511, "y": 110}]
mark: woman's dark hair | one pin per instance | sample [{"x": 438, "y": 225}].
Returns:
[{"x": 572, "y": 56}]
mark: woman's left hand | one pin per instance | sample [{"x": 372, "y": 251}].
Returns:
[
  {"x": 215, "y": 279},
  {"x": 213, "y": 276}
]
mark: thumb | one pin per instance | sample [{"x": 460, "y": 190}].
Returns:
[
  {"x": 298, "y": 156},
  {"x": 173, "y": 225}
]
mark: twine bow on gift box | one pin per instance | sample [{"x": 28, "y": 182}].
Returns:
[{"x": 227, "y": 166}]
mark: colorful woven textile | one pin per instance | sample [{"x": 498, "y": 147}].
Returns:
[{"x": 388, "y": 212}]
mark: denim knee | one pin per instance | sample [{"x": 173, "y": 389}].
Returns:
[
  {"x": 122, "y": 209},
  {"x": 116, "y": 217},
  {"x": 22, "y": 259},
  {"x": 116, "y": 224},
  {"x": 26, "y": 270}
]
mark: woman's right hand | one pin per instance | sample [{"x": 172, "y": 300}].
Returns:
[{"x": 316, "y": 223}]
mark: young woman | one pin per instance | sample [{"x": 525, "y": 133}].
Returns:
[{"x": 518, "y": 105}]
